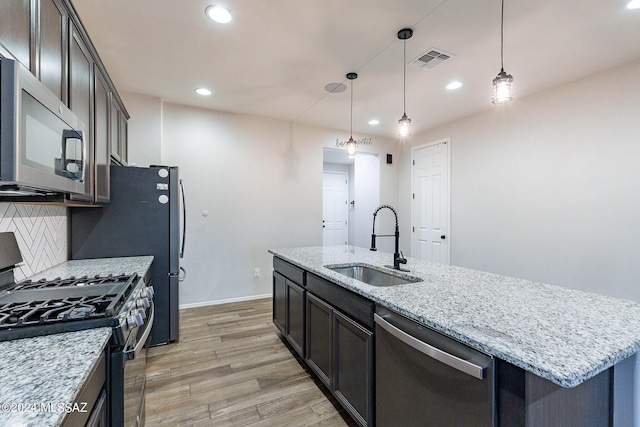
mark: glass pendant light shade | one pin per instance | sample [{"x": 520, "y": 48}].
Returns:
[
  {"x": 351, "y": 147},
  {"x": 502, "y": 83},
  {"x": 502, "y": 88},
  {"x": 404, "y": 126}
]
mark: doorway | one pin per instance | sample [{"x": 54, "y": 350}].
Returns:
[
  {"x": 362, "y": 195},
  {"x": 335, "y": 208},
  {"x": 430, "y": 204}
]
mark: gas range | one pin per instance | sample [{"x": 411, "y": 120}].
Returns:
[{"x": 33, "y": 308}]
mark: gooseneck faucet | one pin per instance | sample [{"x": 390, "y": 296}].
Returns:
[{"x": 398, "y": 258}]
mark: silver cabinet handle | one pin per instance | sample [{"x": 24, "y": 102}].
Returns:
[{"x": 431, "y": 351}]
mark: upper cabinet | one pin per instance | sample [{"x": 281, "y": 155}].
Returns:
[
  {"x": 51, "y": 65},
  {"x": 15, "y": 29},
  {"x": 47, "y": 38}
]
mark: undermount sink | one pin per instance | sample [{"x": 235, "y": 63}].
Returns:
[{"x": 372, "y": 276}]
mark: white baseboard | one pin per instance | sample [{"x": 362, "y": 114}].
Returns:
[{"x": 224, "y": 301}]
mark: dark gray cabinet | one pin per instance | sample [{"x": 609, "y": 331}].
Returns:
[
  {"x": 320, "y": 339},
  {"x": 102, "y": 107},
  {"x": 119, "y": 130},
  {"x": 81, "y": 102},
  {"x": 295, "y": 316},
  {"x": 280, "y": 302},
  {"x": 48, "y": 39},
  {"x": 340, "y": 345},
  {"x": 51, "y": 57},
  {"x": 15, "y": 30},
  {"x": 289, "y": 298}
]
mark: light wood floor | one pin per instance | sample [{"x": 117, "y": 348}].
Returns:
[{"x": 231, "y": 368}]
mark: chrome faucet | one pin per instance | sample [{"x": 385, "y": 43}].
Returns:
[{"x": 398, "y": 257}]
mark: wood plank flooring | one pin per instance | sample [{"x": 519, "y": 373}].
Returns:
[{"x": 232, "y": 368}]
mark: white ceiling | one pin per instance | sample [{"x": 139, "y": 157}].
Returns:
[{"x": 274, "y": 59}]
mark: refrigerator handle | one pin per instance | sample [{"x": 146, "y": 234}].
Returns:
[{"x": 184, "y": 220}]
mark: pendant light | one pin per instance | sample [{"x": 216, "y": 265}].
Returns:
[
  {"x": 404, "y": 124},
  {"x": 502, "y": 82},
  {"x": 351, "y": 144}
]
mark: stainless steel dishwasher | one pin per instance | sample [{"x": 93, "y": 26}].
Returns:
[{"x": 426, "y": 379}]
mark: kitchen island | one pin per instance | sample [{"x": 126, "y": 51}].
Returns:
[{"x": 563, "y": 336}]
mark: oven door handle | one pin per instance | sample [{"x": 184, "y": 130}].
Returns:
[{"x": 132, "y": 354}]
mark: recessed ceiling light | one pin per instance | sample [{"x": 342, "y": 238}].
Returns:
[
  {"x": 219, "y": 14},
  {"x": 203, "y": 91},
  {"x": 374, "y": 121},
  {"x": 633, "y": 4},
  {"x": 454, "y": 85}
]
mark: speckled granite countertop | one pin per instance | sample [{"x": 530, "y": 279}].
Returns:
[
  {"x": 91, "y": 267},
  {"x": 46, "y": 370},
  {"x": 53, "y": 368},
  {"x": 566, "y": 336}
]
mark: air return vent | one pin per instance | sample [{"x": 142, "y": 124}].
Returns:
[{"x": 431, "y": 59}]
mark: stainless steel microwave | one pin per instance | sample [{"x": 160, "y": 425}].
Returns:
[{"x": 42, "y": 144}]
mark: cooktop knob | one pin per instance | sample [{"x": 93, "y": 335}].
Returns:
[{"x": 135, "y": 320}]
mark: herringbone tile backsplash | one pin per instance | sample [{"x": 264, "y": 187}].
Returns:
[{"x": 41, "y": 232}]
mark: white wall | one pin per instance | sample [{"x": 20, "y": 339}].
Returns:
[
  {"x": 260, "y": 181},
  {"x": 145, "y": 129},
  {"x": 547, "y": 188}
]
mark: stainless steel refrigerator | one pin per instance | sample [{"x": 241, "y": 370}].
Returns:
[{"x": 143, "y": 218}]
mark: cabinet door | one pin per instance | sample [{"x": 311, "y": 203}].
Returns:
[
  {"x": 81, "y": 99},
  {"x": 123, "y": 138},
  {"x": 319, "y": 338},
  {"x": 353, "y": 369},
  {"x": 101, "y": 137},
  {"x": 15, "y": 30},
  {"x": 279, "y": 301},
  {"x": 52, "y": 54},
  {"x": 295, "y": 316}
]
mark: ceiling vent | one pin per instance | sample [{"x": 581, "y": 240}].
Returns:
[{"x": 431, "y": 59}]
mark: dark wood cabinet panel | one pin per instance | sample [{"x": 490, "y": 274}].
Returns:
[
  {"x": 319, "y": 342},
  {"x": 81, "y": 101},
  {"x": 279, "y": 302},
  {"x": 353, "y": 368},
  {"x": 356, "y": 306},
  {"x": 15, "y": 29},
  {"x": 527, "y": 400},
  {"x": 101, "y": 137},
  {"x": 295, "y": 316},
  {"x": 52, "y": 54}
]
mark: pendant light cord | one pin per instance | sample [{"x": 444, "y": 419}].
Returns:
[
  {"x": 502, "y": 37},
  {"x": 351, "y": 125},
  {"x": 404, "y": 73}
]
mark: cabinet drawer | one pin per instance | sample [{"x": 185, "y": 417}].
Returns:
[
  {"x": 344, "y": 300},
  {"x": 288, "y": 270}
]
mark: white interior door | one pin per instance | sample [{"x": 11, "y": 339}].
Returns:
[
  {"x": 430, "y": 204},
  {"x": 335, "y": 209}
]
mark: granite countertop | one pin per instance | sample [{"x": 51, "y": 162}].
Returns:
[
  {"x": 91, "y": 267},
  {"x": 563, "y": 335},
  {"x": 40, "y": 373},
  {"x": 52, "y": 369}
]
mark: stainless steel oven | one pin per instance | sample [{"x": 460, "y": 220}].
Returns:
[
  {"x": 128, "y": 370},
  {"x": 42, "y": 144}
]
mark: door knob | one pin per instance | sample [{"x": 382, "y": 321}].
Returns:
[{"x": 443, "y": 237}]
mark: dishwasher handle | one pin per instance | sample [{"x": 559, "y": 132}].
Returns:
[{"x": 431, "y": 351}]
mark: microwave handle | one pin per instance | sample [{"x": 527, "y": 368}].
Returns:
[{"x": 73, "y": 134}]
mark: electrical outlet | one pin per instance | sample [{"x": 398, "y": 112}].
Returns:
[{"x": 256, "y": 272}]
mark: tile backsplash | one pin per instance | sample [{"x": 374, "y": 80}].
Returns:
[{"x": 41, "y": 232}]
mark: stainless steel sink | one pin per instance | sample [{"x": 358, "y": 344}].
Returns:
[{"x": 371, "y": 276}]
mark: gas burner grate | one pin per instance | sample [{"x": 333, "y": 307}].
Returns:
[{"x": 71, "y": 281}]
